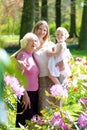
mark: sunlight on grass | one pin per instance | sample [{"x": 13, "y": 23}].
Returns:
[
  {"x": 11, "y": 38},
  {"x": 79, "y": 53},
  {"x": 71, "y": 41}
]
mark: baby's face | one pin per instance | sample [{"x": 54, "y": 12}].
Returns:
[{"x": 60, "y": 36}]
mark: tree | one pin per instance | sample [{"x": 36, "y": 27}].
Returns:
[
  {"x": 73, "y": 19},
  {"x": 11, "y": 11},
  {"x": 58, "y": 13},
  {"x": 27, "y": 20},
  {"x": 83, "y": 31},
  {"x": 37, "y": 10},
  {"x": 44, "y": 10}
]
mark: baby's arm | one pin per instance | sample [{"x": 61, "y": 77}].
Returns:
[{"x": 55, "y": 54}]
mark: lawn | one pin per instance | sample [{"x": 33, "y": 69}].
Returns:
[
  {"x": 10, "y": 42},
  {"x": 79, "y": 53}
]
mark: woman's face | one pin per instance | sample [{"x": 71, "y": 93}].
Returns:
[
  {"x": 32, "y": 44},
  {"x": 41, "y": 31}
]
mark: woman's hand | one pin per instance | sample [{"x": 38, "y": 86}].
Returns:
[
  {"x": 26, "y": 101},
  {"x": 61, "y": 65}
]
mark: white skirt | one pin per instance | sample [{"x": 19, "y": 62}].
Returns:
[{"x": 54, "y": 70}]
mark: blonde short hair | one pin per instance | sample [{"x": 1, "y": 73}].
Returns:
[
  {"x": 62, "y": 30},
  {"x": 27, "y": 37}
]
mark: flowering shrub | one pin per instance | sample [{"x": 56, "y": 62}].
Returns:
[
  {"x": 82, "y": 121},
  {"x": 58, "y": 92},
  {"x": 8, "y": 67},
  {"x": 14, "y": 84},
  {"x": 72, "y": 115}
]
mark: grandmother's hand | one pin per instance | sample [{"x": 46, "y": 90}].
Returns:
[{"x": 26, "y": 101}]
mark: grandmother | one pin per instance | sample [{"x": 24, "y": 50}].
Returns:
[{"x": 27, "y": 106}]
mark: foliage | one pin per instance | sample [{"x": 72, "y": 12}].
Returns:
[
  {"x": 79, "y": 53},
  {"x": 73, "y": 112},
  {"x": 9, "y": 40},
  {"x": 8, "y": 66},
  {"x": 10, "y": 17},
  {"x": 70, "y": 108},
  {"x": 52, "y": 31}
]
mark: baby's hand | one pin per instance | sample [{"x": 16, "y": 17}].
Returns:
[{"x": 49, "y": 54}]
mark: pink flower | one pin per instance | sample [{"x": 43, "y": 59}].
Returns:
[
  {"x": 14, "y": 83},
  {"x": 83, "y": 100},
  {"x": 82, "y": 121},
  {"x": 78, "y": 59},
  {"x": 57, "y": 120},
  {"x": 19, "y": 92},
  {"x": 37, "y": 119},
  {"x": 57, "y": 90}
]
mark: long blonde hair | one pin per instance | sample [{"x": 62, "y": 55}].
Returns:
[{"x": 38, "y": 24}]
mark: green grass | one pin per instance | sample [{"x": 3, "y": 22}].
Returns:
[
  {"x": 9, "y": 40},
  {"x": 79, "y": 53},
  {"x": 13, "y": 40}
]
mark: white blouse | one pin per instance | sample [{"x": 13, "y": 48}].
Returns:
[{"x": 42, "y": 59}]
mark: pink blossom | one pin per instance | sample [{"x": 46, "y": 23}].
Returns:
[
  {"x": 20, "y": 92},
  {"x": 57, "y": 120},
  {"x": 82, "y": 120},
  {"x": 59, "y": 91},
  {"x": 83, "y": 100},
  {"x": 10, "y": 80},
  {"x": 15, "y": 86},
  {"x": 78, "y": 59},
  {"x": 37, "y": 119}
]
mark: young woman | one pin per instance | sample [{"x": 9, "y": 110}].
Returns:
[{"x": 41, "y": 29}]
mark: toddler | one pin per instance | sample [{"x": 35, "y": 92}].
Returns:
[{"x": 58, "y": 58}]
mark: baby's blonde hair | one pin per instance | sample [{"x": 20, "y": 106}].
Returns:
[
  {"x": 27, "y": 37},
  {"x": 63, "y": 30}
]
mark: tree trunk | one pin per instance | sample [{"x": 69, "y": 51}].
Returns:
[
  {"x": 83, "y": 31},
  {"x": 73, "y": 19},
  {"x": 58, "y": 13},
  {"x": 44, "y": 10},
  {"x": 37, "y": 10},
  {"x": 27, "y": 17}
]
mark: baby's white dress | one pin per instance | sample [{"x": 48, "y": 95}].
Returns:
[{"x": 65, "y": 55}]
